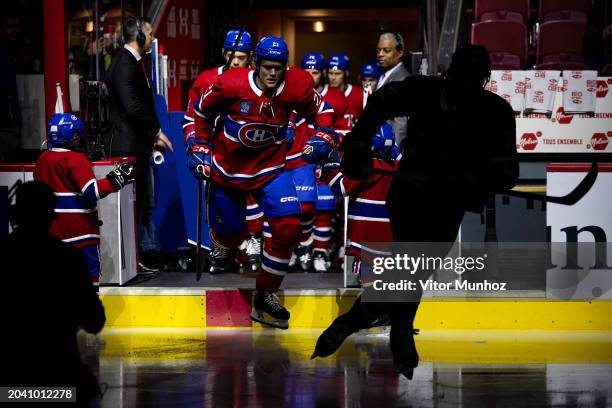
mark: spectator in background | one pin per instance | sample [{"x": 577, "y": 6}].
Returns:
[
  {"x": 21, "y": 50},
  {"x": 389, "y": 54},
  {"x": 10, "y": 110},
  {"x": 135, "y": 129},
  {"x": 39, "y": 345}
]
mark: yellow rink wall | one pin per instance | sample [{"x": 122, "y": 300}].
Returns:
[{"x": 311, "y": 309}]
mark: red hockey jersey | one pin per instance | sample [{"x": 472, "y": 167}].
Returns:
[
  {"x": 367, "y": 217},
  {"x": 71, "y": 176},
  {"x": 249, "y": 140},
  {"x": 304, "y": 130},
  {"x": 200, "y": 85},
  {"x": 354, "y": 101}
]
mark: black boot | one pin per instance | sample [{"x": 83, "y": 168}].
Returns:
[
  {"x": 360, "y": 316},
  {"x": 401, "y": 338}
]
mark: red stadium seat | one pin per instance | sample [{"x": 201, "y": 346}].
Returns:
[
  {"x": 574, "y": 10},
  {"x": 508, "y": 10},
  {"x": 561, "y": 65},
  {"x": 506, "y": 42},
  {"x": 560, "y": 41}
]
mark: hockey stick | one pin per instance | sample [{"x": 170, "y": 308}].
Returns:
[
  {"x": 237, "y": 40},
  {"x": 569, "y": 199},
  {"x": 11, "y": 191},
  {"x": 199, "y": 228}
]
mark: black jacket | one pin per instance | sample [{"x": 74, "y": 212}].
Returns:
[
  {"x": 466, "y": 148},
  {"x": 132, "y": 107}
]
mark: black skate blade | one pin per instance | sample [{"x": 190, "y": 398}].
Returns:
[{"x": 260, "y": 317}]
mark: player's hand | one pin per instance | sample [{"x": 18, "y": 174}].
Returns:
[
  {"x": 163, "y": 141},
  {"x": 199, "y": 159},
  {"x": 289, "y": 134},
  {"x": 356, "y": 161},
  {"x": 123, "y": 175},
  {"x": 319, "y": 148}
]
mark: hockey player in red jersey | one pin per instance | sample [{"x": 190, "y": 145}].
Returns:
[
  {"x": 241, "y": 59},
  {"x": 337, "y": 73},
  {"x": 368, "y": 75},
  {"x": 70, "y": 175},
  {"x": 325, "y": 204},
  {"x": 245, "y": 153},
  {"x": 304, "y": 173}
]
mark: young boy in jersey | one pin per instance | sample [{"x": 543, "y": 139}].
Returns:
[
  {"x": 245, "y": 153},
  {"x": 70, "y": 174},
  {"x": 367, "y": 216}
]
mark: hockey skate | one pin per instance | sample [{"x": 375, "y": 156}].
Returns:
[
  {"x": 253, "y": 252},
  {"x": 304, "y": 257},
  {"x": 268, "y": 310},
  {"x": 320, "y": 260},
  {"x": 357, "y": 318},
  {"x": 220, "y": 259},
  {"x": 403, "y": 349}
]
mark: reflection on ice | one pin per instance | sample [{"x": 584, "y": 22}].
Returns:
[{"x": 270, "y": 368}]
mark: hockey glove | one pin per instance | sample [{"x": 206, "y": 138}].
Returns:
[
  {"x": 356, "y": 160},
  {"x": 199, "y": 158},
  {"x": 123, "y": 175},
  {"x": 289, "y": 134},
  {"x": 320, "y": 146}
]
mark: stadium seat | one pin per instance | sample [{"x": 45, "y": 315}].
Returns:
[
  {"x": 572, "y": 10},
  {"x": 607, "y": 69},
  {"x": 507, "y": 10},
  {"x": 506, "y": 42},
  {"x": 560, "y": 41},
  {"x": 561, "y": 65}
]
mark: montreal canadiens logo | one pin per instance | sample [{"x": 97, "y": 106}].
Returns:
[{"x": 257, "y": 134}]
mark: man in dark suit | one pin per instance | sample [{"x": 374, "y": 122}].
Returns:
[
  {"x": 389, "y": 54},
  {"x": 135, "y": 128}
]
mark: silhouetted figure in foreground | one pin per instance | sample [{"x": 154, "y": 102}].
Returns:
[
  {"x": 48, "y": 296},
  {"x": 460, "y": 148}
]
